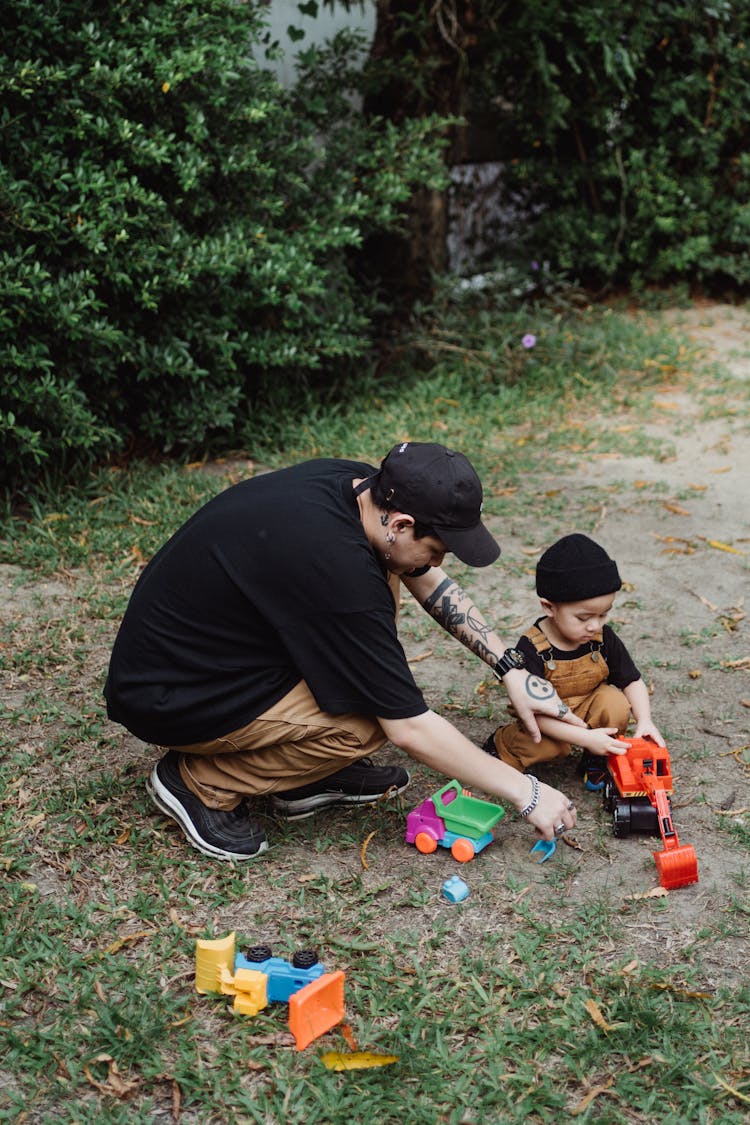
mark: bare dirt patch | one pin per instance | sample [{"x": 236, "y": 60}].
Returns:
[{"x": 677, "y": 522}]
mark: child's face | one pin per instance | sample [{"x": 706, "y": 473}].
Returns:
[{"x": 574, "y": 623}]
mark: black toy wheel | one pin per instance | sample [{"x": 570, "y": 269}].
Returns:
[
  {"x": 258, "y": 953},
  {"x": 305, "y": 959},
  {"x": 621, "y": 818}
]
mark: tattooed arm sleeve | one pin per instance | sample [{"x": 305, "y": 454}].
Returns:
[{"x": 452, "y": 608}]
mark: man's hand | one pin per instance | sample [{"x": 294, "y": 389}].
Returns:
[
  {"x": 554, "y": 815},
  {"x": 532, "y": 695}
]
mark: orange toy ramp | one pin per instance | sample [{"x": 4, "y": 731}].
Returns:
[{"x": 316, "y": 1008}]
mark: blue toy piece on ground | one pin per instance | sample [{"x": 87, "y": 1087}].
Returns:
[{"x": 454, "y": 889}]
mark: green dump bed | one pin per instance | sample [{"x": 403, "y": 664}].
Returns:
[{"x": 466, "y": 816}]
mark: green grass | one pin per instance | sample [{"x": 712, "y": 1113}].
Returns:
[{"x": 502, "y": 1009}]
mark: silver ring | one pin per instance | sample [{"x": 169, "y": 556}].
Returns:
[
  {"x": 562, "y": 709},
  {"x": 560, "y": 830}
]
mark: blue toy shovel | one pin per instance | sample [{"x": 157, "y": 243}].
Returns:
[{"x": 548, "y": 847}]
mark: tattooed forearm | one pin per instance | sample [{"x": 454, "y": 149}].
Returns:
[
  {"x": 443, "y": 604},
  {"x": 438, "y": 592},
  {"x": 452, "y": 608},
  {"x": 478, "y": 624}
]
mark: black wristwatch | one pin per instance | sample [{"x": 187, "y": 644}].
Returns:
[{"x": 510, "y": 659}]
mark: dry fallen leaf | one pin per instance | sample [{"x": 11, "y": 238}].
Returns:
[
  {"x": 719, "y": 546},
  {"x": 114, "y": 1085},
  {"x": 675, "y": 508},
  {"x": 357, "y": 1060},
  {"x": 655, "y": 892},
  {"x": 594, "y": 1092},
  {"x": 595, "y": 1012},
  {"x": 363, "y": 851},
  {"x": 128, "y": 938}
]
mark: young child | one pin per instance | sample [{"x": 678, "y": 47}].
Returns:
[{"x": 585, "y": 660}]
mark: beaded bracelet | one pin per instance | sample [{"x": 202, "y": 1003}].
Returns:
[{"x": 534, "y": 796}]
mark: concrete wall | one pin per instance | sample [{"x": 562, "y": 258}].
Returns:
[{"x": 286, "y": 13}]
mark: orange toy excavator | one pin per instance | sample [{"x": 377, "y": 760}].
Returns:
[{"x": 637, "y": 794}]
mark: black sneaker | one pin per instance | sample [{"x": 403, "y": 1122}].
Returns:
[
  {"x": 225, "y": 835},
  {"x": 361, "y": 783},
  {"x": 593, "y": 769}
]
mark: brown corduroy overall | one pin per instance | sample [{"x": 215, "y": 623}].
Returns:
[{"x": 581, "y": 683}]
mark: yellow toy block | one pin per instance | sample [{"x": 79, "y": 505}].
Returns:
[
  {"x": 251, "y": 994},
  {"x": 211, "y": 957}
]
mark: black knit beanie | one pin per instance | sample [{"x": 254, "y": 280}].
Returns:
[{"x": 576, "y": 568}]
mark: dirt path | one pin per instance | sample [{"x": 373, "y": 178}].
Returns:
[{"x": 678, "y": 523}]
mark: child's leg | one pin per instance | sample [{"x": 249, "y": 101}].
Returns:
[
  {"x": 606, "y": 706},
  {"x": 514, "y": 745}
]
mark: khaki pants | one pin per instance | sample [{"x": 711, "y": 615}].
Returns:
[{"x": 293, "y": 743}]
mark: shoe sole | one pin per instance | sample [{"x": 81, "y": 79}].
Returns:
[
  {"x": 308, "y": 806},
  {"x": 167, "y": 803}
]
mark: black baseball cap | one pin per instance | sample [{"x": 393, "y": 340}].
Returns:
[{"x": 440, "y": 488}]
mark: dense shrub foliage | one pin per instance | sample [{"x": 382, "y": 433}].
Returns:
[
  {"x": 624, "y": 132},
  {"x": 176, "y": 227}
]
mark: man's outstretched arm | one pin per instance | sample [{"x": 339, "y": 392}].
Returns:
[{"x": 455, "y": 610}]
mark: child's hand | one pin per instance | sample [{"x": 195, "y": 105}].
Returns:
[
  {"x": 646, "y": 729},
  {"x": 603, "y": 741}
]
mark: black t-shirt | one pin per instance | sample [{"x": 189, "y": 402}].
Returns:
[
  {"x": 271, "y": 582},
  {"x": 622, "y": 670}
]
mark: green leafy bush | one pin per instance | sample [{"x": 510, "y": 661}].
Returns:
[
  {"x": 176, "y": 227},
  {"x": 624, "y": 131}
]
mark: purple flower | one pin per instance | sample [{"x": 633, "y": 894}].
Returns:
[
  {"x": 535, "y": 265},
  {"x": 529, "y": 340}
]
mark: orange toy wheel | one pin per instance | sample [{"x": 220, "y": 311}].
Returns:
[
  {"x": 425, "y": 843},
  {"x": 462, "y": 850}
]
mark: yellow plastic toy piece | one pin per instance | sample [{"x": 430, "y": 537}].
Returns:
[
  {"x": 226, "y": 982},
  {"x": 211, "y": 957},
  {"x": 252, "y": 992}
]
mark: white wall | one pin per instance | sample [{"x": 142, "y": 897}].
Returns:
[{"x": 326, "y": 23}]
